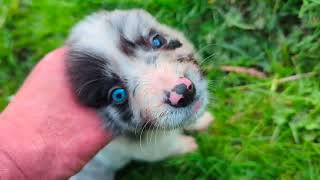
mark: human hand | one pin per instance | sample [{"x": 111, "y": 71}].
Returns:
[{"x": 44, "y": 132}]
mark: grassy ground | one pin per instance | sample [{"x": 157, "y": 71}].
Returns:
[{"x": 265, "y": 128}]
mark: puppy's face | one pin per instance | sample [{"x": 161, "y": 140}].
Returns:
[{"x": 136, "y": 72}]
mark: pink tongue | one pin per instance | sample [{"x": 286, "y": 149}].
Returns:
[
  {"x": 197, "y": 106},
  {"x": 174, "y": 98}
]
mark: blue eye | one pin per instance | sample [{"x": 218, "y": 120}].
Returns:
[
  {"x": 119, "y": 95},
  {"x": 157, "y": 41}
]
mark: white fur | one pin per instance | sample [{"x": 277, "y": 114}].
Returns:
[{"x": 158, "y": 143}]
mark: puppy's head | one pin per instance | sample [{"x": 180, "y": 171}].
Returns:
[{"x": 137, "y": 72}]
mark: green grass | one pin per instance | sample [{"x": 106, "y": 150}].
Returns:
[{"x": 263, "y": 129}]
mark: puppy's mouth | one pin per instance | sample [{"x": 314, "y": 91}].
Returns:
[{"x": 173, "y": 118}]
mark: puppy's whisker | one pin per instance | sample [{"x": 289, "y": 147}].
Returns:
[
  {"x": 206, "y": 46},
  {"x": 151, "y": 134},
  {"x": 206, "y": 59},
  {"x": 155, "y": 139},
  {"x": 136, "y": 128},
  {"x": 140, "y": 137}
]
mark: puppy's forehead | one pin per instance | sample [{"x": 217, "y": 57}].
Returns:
[
  {"x": 103, "y": 32},
  {"x": 133, "y": 23},
  {"x": 137, "y": 24}
]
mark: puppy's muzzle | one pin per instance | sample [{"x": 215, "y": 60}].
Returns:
[{"x": 182, "y": 94}]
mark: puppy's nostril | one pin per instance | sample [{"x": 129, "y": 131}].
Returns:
[{"x": 181, "y": 101}]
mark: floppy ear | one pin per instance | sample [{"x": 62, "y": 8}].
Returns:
[{"x": 91, "y": 77}]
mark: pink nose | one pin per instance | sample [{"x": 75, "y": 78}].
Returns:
[{"x": 182, "y": 94}]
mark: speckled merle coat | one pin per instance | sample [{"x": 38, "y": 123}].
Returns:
[{"x": 158, "y": 69}]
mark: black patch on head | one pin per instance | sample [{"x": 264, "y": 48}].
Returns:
[
  {"x": 126, "y": 46},
  {"x": 143, "y": 43},
  {"x": 188, "y": 58},
  {"x": 92, "y": 78},
  {"x": 87, "y": 73},
  {"x": 173, "y": 44}
]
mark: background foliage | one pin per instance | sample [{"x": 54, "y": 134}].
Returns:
[{"x": 264, "y": 129}]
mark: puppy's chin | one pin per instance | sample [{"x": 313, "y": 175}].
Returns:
[{"x": 181, "y": 117}]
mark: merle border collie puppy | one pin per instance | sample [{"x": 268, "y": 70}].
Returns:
[{"x": 143, "y": 79}]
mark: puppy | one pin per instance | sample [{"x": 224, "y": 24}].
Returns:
[{"x": 143, "y": 79}]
